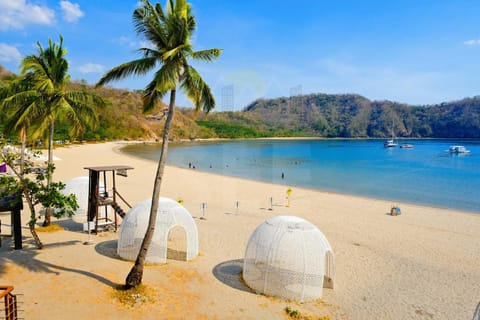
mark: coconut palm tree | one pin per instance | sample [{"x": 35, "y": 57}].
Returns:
[
  {"x": 14, "y": 87},
  {"x": 49, "y": 98},
  {"x": 169, "y": 32}
]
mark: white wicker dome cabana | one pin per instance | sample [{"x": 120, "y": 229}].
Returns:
[
  {"x": 288, "y": 257},
  {"x": 169, "y": 215},
  {"x": 79, "y": 187}
]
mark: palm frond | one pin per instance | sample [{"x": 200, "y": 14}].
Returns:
[
  {"x": 150, "y": 100},
  {"x": 206, "y": 55},
  {"x": 147, "y": 22},
  {"x": 150, "y": 53},
  {"x": 136, "y": 67},
  {"x": 170, "y": 54},
  {"x": 197, "y": 90},
  {"x": 80, "y": 114},
  {"x": 166, "y": 79}
]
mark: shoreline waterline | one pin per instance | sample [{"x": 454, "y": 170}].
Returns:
[
  {"x": 382, "y": 175},
  {"x": 326, "y": 192}
]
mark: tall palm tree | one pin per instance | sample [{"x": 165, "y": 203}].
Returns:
[
  {"x": 49, "y": 98},
  {"x": 169, "y": 32}
]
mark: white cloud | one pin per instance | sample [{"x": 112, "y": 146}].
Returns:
[
  {"x": 71, "y": 11},
  {"x": 146, "y": 44},
  {"x": 9, "y": 53},
  {"x": 15, "y": 14},
  {"x": 472, "y": 42},
  {"x": 126, "y": 41},
  {"x": 336, "y": 67},
  {"x": 91, "y": 68},
  {"x": 135, "y": 44}
]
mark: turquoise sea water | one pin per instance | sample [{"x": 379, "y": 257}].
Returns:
[{"x": 426, "y": 174}]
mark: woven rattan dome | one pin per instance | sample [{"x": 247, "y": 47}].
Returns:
[{"x": 288, "y": 257}]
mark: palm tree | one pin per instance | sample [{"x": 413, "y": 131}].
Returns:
[
  {"x": 49, "y": 98},
  {"x": 169, "y": 31},
  {"x": 15, "y": 87}
]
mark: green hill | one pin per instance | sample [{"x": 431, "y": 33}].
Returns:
[
  {"x": 353, "y": 116},
  {"x": 315, "y": 115}
]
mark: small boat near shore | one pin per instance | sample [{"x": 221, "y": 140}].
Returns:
[
  {"x": 406, "y": 146},
  {"x": 458, "y": 150},
  {"x": 390, "y": 144}
]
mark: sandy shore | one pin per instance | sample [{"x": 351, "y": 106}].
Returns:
[{"x": 423, "y": 264}]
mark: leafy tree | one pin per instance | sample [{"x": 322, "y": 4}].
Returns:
[
  {"x": 16, "y": 87},
  {"x": 33, "y": 184},
  {"x": 48, "y": 98},
  {"x": 169, "y": 31}
]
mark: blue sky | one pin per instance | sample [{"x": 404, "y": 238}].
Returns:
[{"x": 409, "y": 51}]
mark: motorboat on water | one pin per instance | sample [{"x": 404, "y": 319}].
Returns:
[
  {"x": 458, "y": 150},
  {"x": 390, "y": 144},
  {"x": 406, "y": 146}
]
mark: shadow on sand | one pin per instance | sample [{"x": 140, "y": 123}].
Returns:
[
  {"x": 108, "y": 249},
  {"x": 27, "y": 258},
  {"x": 230, "y": 273}
]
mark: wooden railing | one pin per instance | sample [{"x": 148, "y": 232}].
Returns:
[{"x": 11, "y": 308}]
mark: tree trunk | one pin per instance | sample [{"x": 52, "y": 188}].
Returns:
[
  {"x": 48, "y": 211},
  {"x": 33, "y": 217},
  {"x": 23, "y": 135},
  {"x": 135, "y": 275},
  {"x": 31, "y": 223}
]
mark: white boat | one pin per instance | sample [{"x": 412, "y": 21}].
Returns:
[
  {"x": 458, "y": 149},
  {"x": 390, "y": 144}
]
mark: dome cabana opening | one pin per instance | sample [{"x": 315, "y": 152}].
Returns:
[{"x": 170, "y": 214}]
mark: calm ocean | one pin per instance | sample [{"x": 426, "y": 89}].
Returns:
[{"x": 426, "y": 174}]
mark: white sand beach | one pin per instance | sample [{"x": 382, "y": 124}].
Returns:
[{"x": 422, "y": 264}]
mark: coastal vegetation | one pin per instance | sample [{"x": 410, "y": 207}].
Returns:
[
  {"x": 37, "y": 189},
  {"x": 313, "y": 115},
  {"x": 32, "y": 103}
]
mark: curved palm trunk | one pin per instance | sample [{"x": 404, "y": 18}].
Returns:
[
  {"x": 48, "y": 211},
  {"x": 135, "y": 275}
]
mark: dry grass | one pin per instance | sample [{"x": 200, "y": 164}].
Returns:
[
  {"x": 51, "y": 228},
  {"x": 295, "y": 314},
  {"x": 134, "y": 297}
]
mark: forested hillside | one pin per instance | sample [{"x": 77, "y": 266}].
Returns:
[
  {"x": 353, "y": 116},
  {"x": 316, "y": 115}
]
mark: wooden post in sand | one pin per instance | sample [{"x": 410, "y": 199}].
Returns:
[
  {"x": 14, "y": 204},
  {"x": 237, "y": 206},
  {"x": 203, "y": 206}
]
